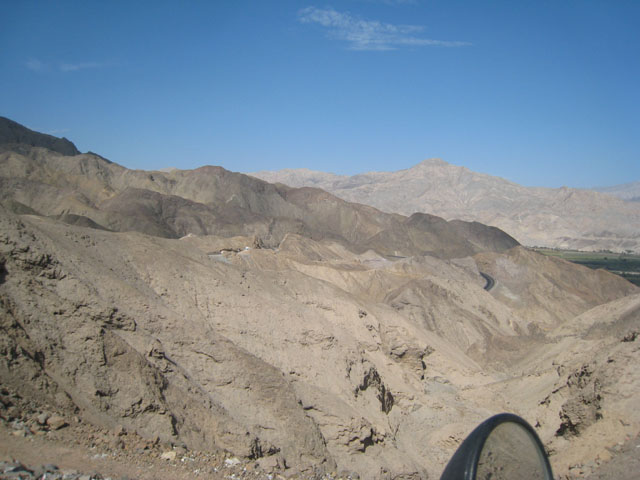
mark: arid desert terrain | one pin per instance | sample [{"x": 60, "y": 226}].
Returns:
[{"x": 204, "y": 323}]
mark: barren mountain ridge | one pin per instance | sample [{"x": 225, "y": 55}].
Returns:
[{"x": 535, "y": 216}]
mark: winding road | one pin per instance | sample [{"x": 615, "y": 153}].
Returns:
[{"x": 490, "y": 281}]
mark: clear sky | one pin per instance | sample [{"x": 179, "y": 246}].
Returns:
[{"x": 538, "y": 92}]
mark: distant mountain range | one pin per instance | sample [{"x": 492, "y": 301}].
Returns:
[
  {"x": 535, "y": 216},
  {"x": 626, "y": 191}
]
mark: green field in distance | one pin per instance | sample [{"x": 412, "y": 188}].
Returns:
[{"x": 627, "y": 265}]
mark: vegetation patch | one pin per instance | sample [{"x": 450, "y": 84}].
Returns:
[{"x": 627, "y": 265}]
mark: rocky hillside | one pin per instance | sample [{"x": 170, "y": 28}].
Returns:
[
  {"x": 88, "y": 190},
  {"x": 552, "y": 217},
  {"x": 309, "y": 353},
  {"x": 208, "y": 315},
  {"x": 14, "y": 134}
]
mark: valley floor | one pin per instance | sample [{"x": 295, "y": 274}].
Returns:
[
  {"x": 627, "y": 265},
  {"x": 32, "y": 448},
  {"x": 83, "y": 452}
]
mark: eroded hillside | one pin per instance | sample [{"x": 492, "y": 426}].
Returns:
[
  {"x": 219, "y": 313},
  {"x": 88, "y": 190},
  {"x": 309, "y": 352}
]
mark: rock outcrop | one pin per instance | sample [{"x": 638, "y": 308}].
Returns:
[{"x": 15, "y": 136}]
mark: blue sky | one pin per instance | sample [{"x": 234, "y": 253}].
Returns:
[{"x": 538, "y": 92}]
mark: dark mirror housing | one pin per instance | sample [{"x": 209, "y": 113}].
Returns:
[{"x": 502, "y": 447}]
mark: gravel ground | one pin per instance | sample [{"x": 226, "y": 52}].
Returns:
[
  {"x": 625, "y": 465},
  {"x": 38, "y": 443}
]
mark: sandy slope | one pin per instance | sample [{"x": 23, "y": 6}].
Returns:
[{"x": 323, "y": 358}]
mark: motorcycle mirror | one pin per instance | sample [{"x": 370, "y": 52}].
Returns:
[{"x": 503, "y": 447}]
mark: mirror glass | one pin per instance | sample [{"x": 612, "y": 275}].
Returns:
[{"x": 511, "y": 452}]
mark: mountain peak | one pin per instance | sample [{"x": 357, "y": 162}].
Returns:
[
  {"x": 13, "y": 133},
  {"x": 432, "y": 162}
]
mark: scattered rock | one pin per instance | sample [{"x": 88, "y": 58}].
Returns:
[
  {"x": 42, "y": 418},
  {"x": 56, "y": 422},
  {"x": 268, "y": 464},
  {"x": 230, "y": 462},
  {"x": 170, "y": 455}
]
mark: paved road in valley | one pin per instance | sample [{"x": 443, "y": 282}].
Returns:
[{"x": 490, "y": 281}]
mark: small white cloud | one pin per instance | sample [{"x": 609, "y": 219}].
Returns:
[
  {"x": 396, "y": 2},
  {"x": 391, "y": 2},
  {"x": 370, "y": 34},
  {"x": 74, "y": 67},
  {"x": 35, "y": 65}
]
